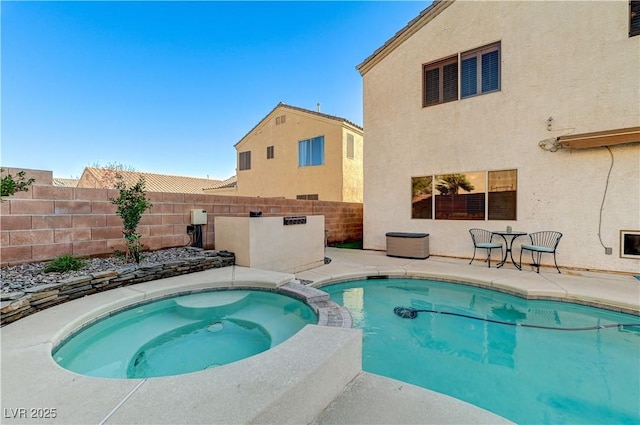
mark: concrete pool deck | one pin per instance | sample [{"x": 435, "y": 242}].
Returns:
[{"x": 314, "y": 377}]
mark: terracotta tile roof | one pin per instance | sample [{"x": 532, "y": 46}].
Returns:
[
  {"x": 224, "y": 184},
  {"x": 105, "y": 178},
  {"x": 65, "y": 182},
  {"x": 306, "y": 111}
]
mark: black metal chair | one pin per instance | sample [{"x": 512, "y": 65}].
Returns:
[
  {"x": 483, "y": 239},
  {"x": 544, "y": 242}
]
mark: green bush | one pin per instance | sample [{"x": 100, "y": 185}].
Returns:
[{"x": 64, "y": 263}]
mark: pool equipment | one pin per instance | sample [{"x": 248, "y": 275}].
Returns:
[{"x": 412, "y": 313}]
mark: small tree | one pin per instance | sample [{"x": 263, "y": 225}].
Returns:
[
  {"x": 11, "y": 185},
  {"x": 132, "y": 203}
]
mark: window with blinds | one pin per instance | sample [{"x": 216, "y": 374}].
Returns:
[
  {"x": 244, "y": 160},
  {"x": 350, "y": 146},
  {"x": 480, "y": 71},
  {"x": 440, "y": 82},
  {"x": 634, "y": 18},
  {"x": 311, "y": 197},
  {"x": 472, "y": 73},
  {"x": 480, "y": 195}
]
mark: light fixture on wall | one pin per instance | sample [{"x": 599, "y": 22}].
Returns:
[{"x": 552, "y": 144}]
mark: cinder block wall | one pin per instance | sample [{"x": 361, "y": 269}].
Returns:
[{"x": 49, "y": 221}]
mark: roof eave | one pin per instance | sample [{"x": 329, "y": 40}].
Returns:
[{"x": 426, "y": 16}]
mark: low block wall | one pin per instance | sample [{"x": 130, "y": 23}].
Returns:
[
  {"x": 49, "y": 221},
  {"x": 41, "y": 297}
]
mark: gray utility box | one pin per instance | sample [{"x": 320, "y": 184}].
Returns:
[{"x": 408, "y": 245}]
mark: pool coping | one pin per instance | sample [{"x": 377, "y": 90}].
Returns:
[{"x": 315, "y": 367}]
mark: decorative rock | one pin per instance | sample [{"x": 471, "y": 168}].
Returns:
[{"x": 26, "y": 289}]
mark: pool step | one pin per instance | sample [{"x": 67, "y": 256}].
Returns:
[{"x": 211, "y": 305}]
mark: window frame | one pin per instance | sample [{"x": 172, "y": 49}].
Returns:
[
  {"x": 244, "y": 160},
  {"x": 492, "y": 198},
  {"x": 351, "y": 146},
  {"x": 440, "y": 65},
  {"x": 270, "y": 152},
  {"x": 478, "y": 54},
  {"x": 634, "y": 18},
  {"x": 309, "y": 159}
]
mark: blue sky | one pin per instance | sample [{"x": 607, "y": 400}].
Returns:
[{"x": 170, "y": 87}]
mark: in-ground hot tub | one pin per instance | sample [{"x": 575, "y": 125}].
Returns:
[{"x": 183, "y": 334}]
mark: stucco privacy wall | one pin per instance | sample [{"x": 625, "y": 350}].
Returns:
[
  {"x": 49, "y": 221},
  {"x": 573, "y": 61}
]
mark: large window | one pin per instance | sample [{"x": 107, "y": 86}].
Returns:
[
  {"x": 311, "y": 152},
  {"x": 474, "y": 72},
  {"x": 244, "y": 160},
  {"x": 476, "y": 195}
]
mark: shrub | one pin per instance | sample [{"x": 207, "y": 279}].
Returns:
[
  {"x": 131, "y": 204},
  {"x": 10, "y": 185},
  {"x": 64, "y": 263}
]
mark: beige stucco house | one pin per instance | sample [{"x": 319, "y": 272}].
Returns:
[
  {"x": 495, "y": 114},
  {"x": 296, "y": 153}
]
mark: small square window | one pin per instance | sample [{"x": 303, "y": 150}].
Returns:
[{"x": 281, "y": 119}]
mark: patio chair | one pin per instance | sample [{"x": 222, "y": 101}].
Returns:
[
  {"x": 544, "y": 242},
  {"x": 483, "y": 239}
]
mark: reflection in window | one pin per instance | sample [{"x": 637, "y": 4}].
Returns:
[
  {"x": 502, "y": 194},
  {"x": 460, "y": 196},
  {"x": 421, "y": 197},
  {"x": 311, "y": 152}
]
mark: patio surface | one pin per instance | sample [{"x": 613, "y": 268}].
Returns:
[{"x": 314, "y": 377}]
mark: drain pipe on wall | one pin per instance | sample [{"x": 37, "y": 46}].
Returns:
[{"x": 607, "y": 250}]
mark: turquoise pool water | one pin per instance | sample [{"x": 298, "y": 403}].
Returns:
[
  {"x": 528, "y": 375},
  {"x": 183, "y": 334}
]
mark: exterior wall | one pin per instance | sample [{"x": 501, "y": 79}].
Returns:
[
  {"x": 281, "y": 176},
  {"x": 49, "y": 221},
  {"x": 352, "y": 169},
  {"x": 266, "y": 243},
  {"x": 572, "y": 61}
]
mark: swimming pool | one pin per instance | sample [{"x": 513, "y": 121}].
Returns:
[
  {"x": 183, "y": 334},
  {"x": 528, "y": 375}
]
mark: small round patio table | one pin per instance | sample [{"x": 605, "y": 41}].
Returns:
[{"x": 508, "y": 237}]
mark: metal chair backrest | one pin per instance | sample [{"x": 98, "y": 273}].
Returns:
[
  {"x": 548, "y": 238},
  {"x": 480, "y": 236}
]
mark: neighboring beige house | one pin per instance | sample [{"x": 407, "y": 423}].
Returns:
[
  {"x": 296, "y": 153},
  {"x": 495, "y": 114},
  {"x": 105, "y": 178}
]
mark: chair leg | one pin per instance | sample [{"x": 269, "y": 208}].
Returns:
[
  {"x": 489, "y": 257},
  {"x": 474, "y": 255},
  {"x": 554, "y": 260},
  {"x": 521, "y": 249}
]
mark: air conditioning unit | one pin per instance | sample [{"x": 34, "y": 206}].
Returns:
[{"x": 198, "y": 217}]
